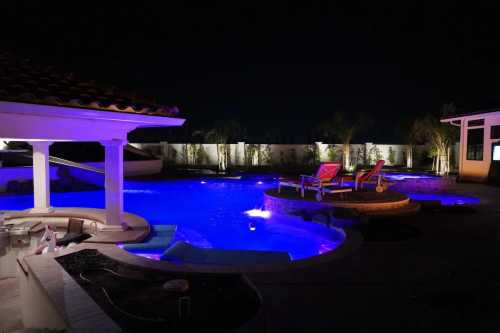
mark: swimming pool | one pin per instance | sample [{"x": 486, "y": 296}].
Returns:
[{"x": 209, "y": 213}]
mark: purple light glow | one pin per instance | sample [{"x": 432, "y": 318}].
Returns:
[
  {"x": 151, "y": 256},
  {"x": 403, "y": 176}
]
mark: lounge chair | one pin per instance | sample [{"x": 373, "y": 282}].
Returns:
[
  {"x": 74, "y": 233},
  {"x": 372, "y": 176},
  {"x": 326, "y": 180}
]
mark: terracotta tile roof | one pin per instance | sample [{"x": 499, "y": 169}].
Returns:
[{"x": 22, "y": 81}]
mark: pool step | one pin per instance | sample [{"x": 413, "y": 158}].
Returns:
[
  {"x": 187, "y": 253},
  {"x": 159, "y": 239}
]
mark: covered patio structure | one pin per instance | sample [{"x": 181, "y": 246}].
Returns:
[{"x": 40, "y": 107}]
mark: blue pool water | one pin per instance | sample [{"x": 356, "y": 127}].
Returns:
[
  {"x": 403, "y": 176},
  {"x": 209, "y": 214},
  {"x": 446, "y": 199}
]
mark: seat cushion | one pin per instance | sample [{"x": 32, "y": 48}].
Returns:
[{"x": 72, "y": 237}]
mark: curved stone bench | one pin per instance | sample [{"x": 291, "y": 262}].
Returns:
[{"x": 58, "y": 218}]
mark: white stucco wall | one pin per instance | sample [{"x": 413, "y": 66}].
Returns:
[
  {"x": 477, "y": 170},
  {"x": 175, "y": 153}
]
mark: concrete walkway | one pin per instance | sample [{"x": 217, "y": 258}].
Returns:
[{"x": 10, "y": 312}]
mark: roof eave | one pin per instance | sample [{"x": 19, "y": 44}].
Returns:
[{"x": 141, "y": 120}]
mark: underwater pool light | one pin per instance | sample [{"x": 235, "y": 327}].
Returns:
[{"x": 265, "y": 214}]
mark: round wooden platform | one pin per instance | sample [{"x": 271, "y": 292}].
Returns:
[{"x": 290, "y": 202}]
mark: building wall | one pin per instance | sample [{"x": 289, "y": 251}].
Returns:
[{"x": 477, "y": 170}]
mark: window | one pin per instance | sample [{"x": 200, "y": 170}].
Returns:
[
  {"x": 475, "y": 140},
  {"x": 495, "y": 132},
  {"x": 476, "y": 122}
]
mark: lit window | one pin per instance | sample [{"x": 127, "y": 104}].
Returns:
[{"x": 496, "y": 153}]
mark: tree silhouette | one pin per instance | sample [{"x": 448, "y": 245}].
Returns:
[{"x": 440, "y": 137}]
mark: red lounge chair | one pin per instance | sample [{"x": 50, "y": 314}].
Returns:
[
  {"x": 325, "y": 181},
  {"x": 372, "y": 176}
]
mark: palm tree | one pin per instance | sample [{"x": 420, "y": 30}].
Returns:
[
  {"x": 220, "y": 138},
  {"x": 440, "y": 137},
  {"x": 343, "y": 128}
]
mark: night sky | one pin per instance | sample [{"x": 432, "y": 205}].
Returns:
[{"x": 278, "y": 69}]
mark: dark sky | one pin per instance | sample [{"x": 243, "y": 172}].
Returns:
[{"x": 276, "y": 68}]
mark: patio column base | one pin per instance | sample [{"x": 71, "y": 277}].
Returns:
[
  {"x": 121, "y": 227},
  {"x": 41, "y": 210}
]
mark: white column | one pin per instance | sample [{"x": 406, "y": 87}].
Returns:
[
  {"x": 240, "y": 153},
  {"x": 321, "y": 151},
  {"x": 113, "y": 184},
  {"x": 462, "y": 147},
  {"x": 41, "y": 176}
]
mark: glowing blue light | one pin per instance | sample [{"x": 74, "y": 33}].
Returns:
[
  {"x": 265, "y": 214},
  {"x": 446, "y": 199},
  {"x": 203, "y": 182},
  {"x": 260, "y": 182},
  {"x": 252, "y": 226}
]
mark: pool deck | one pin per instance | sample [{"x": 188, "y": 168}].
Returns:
[
  {"x": 44, "y": 276},
  {"x": 435, "y": 271}
]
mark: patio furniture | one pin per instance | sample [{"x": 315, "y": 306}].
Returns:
[
  {"x": 74, "y": 233},
  {"x": 372, "y": 176},
  {"x": 326, "y": 180}
]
